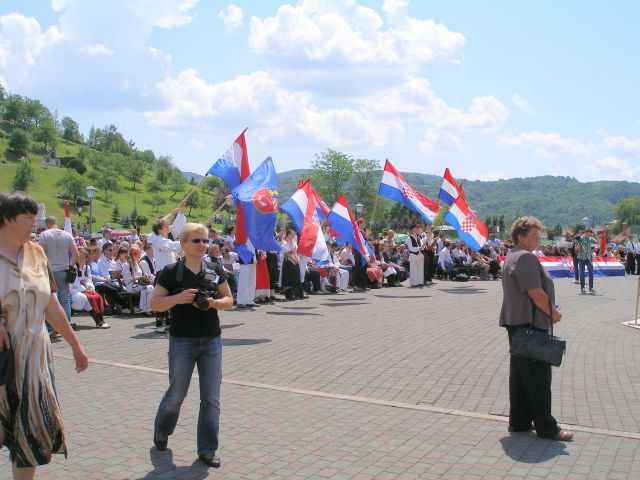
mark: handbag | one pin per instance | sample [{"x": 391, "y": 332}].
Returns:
[
  {"x": 7, "y": 371},
  {"x": 539, "y": 345},
  {"x": 72, "y": 274}
]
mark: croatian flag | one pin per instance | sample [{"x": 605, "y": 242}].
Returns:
[
  {"x": 304, "y": 216},
  {"x": 233, "y": 166},
  {"x": 449, "y": 191},
  {"x": 395, "y": 187},
  {"x": 67, "y": 219},
  {"x": 258, "y": 195},
  {"x": 470, "y": 229},
  {"x": 233, "y": 169},
  {"x": 344, "y": 225}
]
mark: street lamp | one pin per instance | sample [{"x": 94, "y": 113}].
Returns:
[
  {"x": 359, "y": 208},
  {"x": 229, "y": 205},
  {"x": 585, "y": 222},
  {"x": 91, "y": 192}
]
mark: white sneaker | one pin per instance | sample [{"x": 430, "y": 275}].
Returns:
[
  {"x": 104, "y": 325},
  {"x": 159, "y": 329},
  {"x": 576, "y": 282}
]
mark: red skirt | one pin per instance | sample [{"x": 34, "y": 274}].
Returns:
[
  {"x": 262, "y": 275},
  {"x": 97, "y": 304}
]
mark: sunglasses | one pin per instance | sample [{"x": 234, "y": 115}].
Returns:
[{"x": 199, "y": 240}]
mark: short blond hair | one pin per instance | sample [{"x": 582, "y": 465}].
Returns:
[
  {"x": 522, "y": 226},
  {"x": 190, "y": 228}
]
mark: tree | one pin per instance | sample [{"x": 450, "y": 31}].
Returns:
[
  {"x": 70, "y": 130},
  {"x": 125, "y": 222},
  {"x": 557, "y": 229},
  {"x": 628, "y": 211},
  {"x": 176, "y": 183},
  {"x": 72, "y": 183},
  {"x": 502, "y": 226},
  {"x": 439, "y": 220},
  {"x": 193, "y": 201},
  {"x": 363, "y": 181},
  {"x": 134, "y": 171},
  {"x": 24, "y": 176},
  {"x": 115, "y": 214},
  {"x": 19, "y": 142},
  {"x": 107, "y": 180},
  {"x": 134, "y": 215},
  {"x": 155, "y": 187},
  {"x": 35, "y": 114},
  {"x": 14, "y": 109},
  {"x": 47, "y": 133},
  {"x": 331, "y": 172}
]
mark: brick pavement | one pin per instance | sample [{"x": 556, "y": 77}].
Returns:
[{"x": 436, "y": 347}]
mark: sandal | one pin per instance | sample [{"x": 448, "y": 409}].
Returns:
[{"x": 564, "y": 436}]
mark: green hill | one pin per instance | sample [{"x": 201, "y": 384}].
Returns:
[{"x": 554, "y": 200}]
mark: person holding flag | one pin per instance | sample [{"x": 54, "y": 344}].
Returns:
[{"x": 416, "y": 248}]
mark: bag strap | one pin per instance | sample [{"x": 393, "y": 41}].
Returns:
[{"x": 535, "y": 306}]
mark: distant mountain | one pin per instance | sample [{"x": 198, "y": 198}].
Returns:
[
  {"x": 190, "y": 175},
  {"x": 552, "y": 199}
]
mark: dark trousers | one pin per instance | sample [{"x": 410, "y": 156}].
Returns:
[
  {"x": 429, "y": 265},
  {"x": 631, "y": 263},
  {"x": 110, "y": 293},
  {"x": 589, "y": 266},
  {"x": 272, "y": 268},
  {"x": 312, "y": 281},
  {"x": 576, "y": 273},
  {"x": 359, "y": 272},
  {"x": 530, "y": 395}
]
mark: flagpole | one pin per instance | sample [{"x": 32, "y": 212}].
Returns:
[
  {"x": 375, "y": 205},
  {"x": 222, "y": 205}
]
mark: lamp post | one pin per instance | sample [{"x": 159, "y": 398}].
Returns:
[
  {"x": 359, "y": 208},
  {"x": 91, "y": 192}
]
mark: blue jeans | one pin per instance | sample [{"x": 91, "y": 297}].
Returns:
[
  {"x": 63, "y": 293},
  {"x": 589, "y": 265},
  {"x": 184, "y": 354}
]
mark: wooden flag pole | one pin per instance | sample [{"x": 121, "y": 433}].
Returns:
[
  {"x": 375, "y": 205},
  {"x": 222, "y": 205}
]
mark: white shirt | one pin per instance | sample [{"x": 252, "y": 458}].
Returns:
[
  {"x": 445, "y": 257},
  {"x": 630, "y": 247},
  {"x": 345, "y": 256},
  {"x": 106, "y": 265},
  {"x": 164, "y": 252},
  {"x": 457, "y": 253}
]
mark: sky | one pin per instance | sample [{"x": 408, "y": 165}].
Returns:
[{"x": 491, "y": 89}]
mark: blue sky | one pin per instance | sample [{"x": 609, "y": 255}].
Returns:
[{"x": 489, "y": 89}]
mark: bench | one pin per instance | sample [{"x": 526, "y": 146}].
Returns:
[{"x": 133, "y": 298}]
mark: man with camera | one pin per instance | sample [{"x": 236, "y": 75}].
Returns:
[
  {"x": 193, "y": 290},
  {"x": 584, "y": 248}
]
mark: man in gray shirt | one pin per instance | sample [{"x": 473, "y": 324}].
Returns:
[{"x": 61, "y": 251}]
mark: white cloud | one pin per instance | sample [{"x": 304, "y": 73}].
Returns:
[
  {"x": 546, "y": 144},
  {"x": 622, "y": 146},
  {"x": 96, "y": 49},
  {"x": 342, "y": 32},
  {"x": 232, "y": 18},
  {"x": 435, "y": 143},
  {"x": 395, "y": 8},
  {"x": 21, "y": 42},
  {"x": 613, "y": 168},
  {"x": 521, "y": 103},
  {"x": 106, "y": 45}
]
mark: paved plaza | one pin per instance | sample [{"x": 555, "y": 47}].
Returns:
[{"x": 397, "y": 383}]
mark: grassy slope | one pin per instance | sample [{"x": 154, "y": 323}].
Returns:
[{"x": 44, "y": 190}]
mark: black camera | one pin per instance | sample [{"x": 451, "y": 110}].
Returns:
[{"x": 209, "y": 281}]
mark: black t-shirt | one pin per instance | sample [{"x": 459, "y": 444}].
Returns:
[{"x": 187, "y": 320}]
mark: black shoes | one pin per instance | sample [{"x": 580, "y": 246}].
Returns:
[
  {"x": 160, "y": 441},
  {"x": 210, "y": 460}
]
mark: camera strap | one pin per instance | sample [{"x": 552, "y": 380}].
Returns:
[{"x": 180, "y": 269}]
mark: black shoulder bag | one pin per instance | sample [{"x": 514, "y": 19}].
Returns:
[
  {"x": 6, "y": 359},
  {"x": 538, "y": 345}
]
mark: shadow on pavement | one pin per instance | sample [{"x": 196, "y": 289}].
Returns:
[
  {"x": 299, "y": 308},
  {"x": 163, "y": 467},
  {"x": 145, "y": 325},
  {"x": 238, "y": 342},
  {"x": 350, "y": 299},
  {"x": 345, "y": 304},
  {"x": 464, "y": 291},
  {"x": 294, "y": 314},
  {"x": 401, "y": 296},
  {"x": 231, "y": 325},
  {"x": 528, "y": 448}
]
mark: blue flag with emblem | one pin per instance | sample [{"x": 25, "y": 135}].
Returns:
[{"x": 259, "y": 197}]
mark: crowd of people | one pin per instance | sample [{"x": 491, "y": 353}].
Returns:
[{"x": 110, "y": 267}]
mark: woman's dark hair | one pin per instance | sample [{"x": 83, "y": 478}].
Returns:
[
  {"x": 14, "y": 203},
  {"x": 230, "y": 229},
  {"x": 122, "y": 250}
]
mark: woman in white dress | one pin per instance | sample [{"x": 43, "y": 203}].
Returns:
[{"x": 136, "y": 281}]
